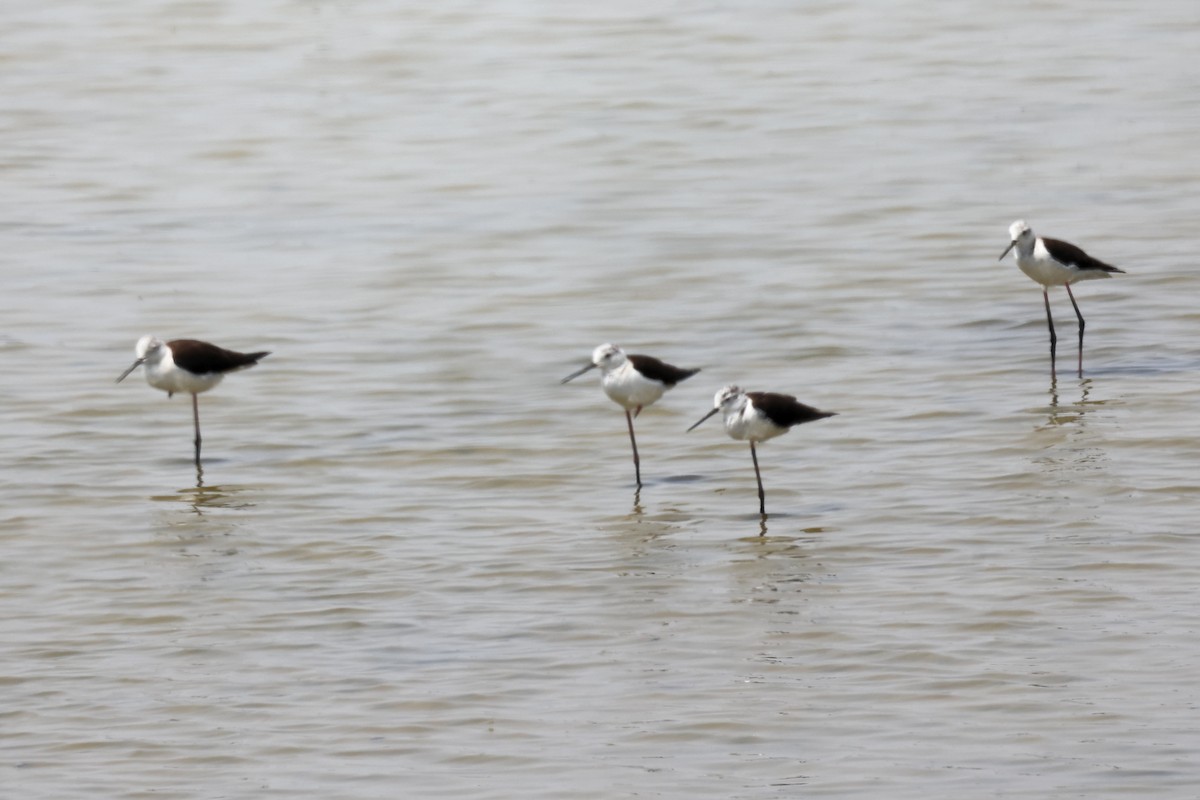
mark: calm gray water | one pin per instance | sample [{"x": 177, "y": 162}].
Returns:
[{"x": 415, "y": 565}]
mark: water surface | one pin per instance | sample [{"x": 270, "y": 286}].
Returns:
[{"x": 415, "y": 565}]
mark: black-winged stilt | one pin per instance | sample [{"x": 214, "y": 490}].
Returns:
[
  {"x": 758, "y": 416},
  {"x": 187, "y": 365},
  {"x": 1052, "y": 262},
  {"x": 633, "y": 382}
]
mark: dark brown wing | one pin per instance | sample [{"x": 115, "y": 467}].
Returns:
[
  {"x": 1072, "y": 256},
  {"x": 785, "y": 410},
  {"x": 202, "y": 358},
  {"x": 660, "y": 371}
]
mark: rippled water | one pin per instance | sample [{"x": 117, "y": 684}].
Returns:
[{"x": 415, "y": 565}]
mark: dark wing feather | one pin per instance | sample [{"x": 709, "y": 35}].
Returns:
[
  {"x": 785, "y": 410},
  {"x": 660, "y": 371},
  {"x": 1069, "y": 254},
  {"x": 202, "y": 358}
]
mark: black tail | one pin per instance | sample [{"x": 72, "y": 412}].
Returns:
[{"x": 253, "y": 358}]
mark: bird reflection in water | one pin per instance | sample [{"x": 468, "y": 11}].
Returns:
[
  {"x": 792, "y": 534},
  {"x": 1065, "y": 445},
  {"x": 1071, "y": 412},
  {"x": 201, "y": 498},
  {"x": 769, "y": 568}
]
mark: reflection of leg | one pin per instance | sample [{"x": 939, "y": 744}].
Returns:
[
  {"x": 637, "y": 464},
  {"x": 762, "y": 496},
  {"x": 1081, "y": 324},
  {"x": 196, "y": 420},
  {"x": 1050, "y": 322}
]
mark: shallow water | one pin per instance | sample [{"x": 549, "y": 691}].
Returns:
[{"x": 416, "y": 565}]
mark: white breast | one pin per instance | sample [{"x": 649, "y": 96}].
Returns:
[
  {"x": 1045, "y": 270},
  {"x": 162, "y": 373},
  {"x": 747, "y": 424},
  {"x": 626, "y": 387}
]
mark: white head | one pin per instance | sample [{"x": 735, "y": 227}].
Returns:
[
  {"x": 607, "y": 357},
  {"x": 727, "y": 399},
  {"x": 147, "y": 347},
  {"x": 1021, "y": 238}
]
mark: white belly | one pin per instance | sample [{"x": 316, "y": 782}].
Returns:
[
  {"x": 1047, "y": 271},
  {"x": 626, "y": 387},
  {"x": 749, "y": 425},
  {"x": 171, "y": 378}
]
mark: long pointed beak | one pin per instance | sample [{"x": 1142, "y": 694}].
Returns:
[
  {"x": 706, "y": 416},
  {"x": 1011, "y": 245},
  {"x": 136, "y": 364},
  {"x": 577, "y": 373}
]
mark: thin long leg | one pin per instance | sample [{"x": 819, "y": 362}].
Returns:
[
  {"x": 196, "y": 420},
  {"x": 762, "y": 496},
  {"x": 1050, "y": 322},
  {"x": 1081, "y": 324},
  {"x": 637, "y": 464}
]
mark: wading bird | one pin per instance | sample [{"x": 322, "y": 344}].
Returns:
[
  {"x": 187, "y": 365},
  {"x": 1051, "y": 262},
  {"x": 758, "y": 416},
  {"x": 632, "y": 382}
]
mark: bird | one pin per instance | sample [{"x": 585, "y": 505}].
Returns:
[
  {"x": 632, "y": 382},
  {"x": 1052, "y": 262},
  {"x": 188, "y": 365},
  {"x": 757, "y": 417}
]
